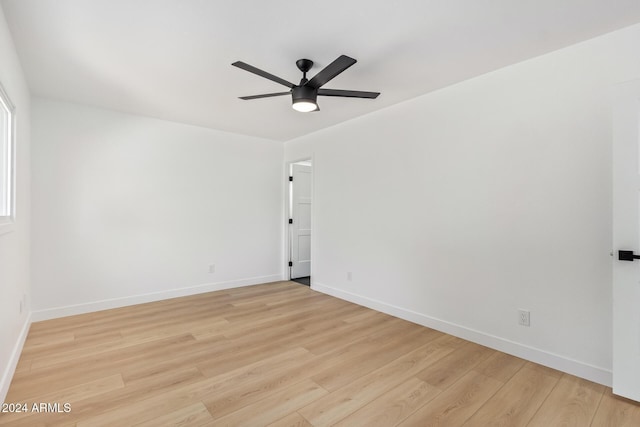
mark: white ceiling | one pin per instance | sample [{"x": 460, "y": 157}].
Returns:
[{"x": 171, "y": 59}]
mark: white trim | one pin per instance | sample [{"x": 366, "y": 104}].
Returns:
[
  {"x": 71, "y": 310},
  {"x": 7, "y": 375},
  {"x": 286, "y": 275},
  {"x": 9, "y": 152},
  {"x": 542, "y": 357}
]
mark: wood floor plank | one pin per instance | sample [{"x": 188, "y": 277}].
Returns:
[
  {"x": 74, "y": 372},
  {"x": 270, "y": 409},
  {"x": 200, "y": 324},
  {"x": 160, "y": 378},
  {"x": 113, "y": 320},
  {"x": 256, "y": 383},
  {"x": 77, "y": 349},
  {"x": 292, "y": 420},
  {"x": 187, "y": 355},
  {"x": 71, "y": 395},
  {"x": 365, "y": 315},
  {"x": 616, "y": 411},
  {"x": 392, "y": 407},
  {"x": 144, "y": 410},
  {"x": 241, "y": 352},
  {"x": 573, "y": 402},
  {"x": 23, "y": 367},
  {"x": 453, "y": 366},
  {"x": 175, "y": 398},
  {"x": 47, "y": 341},
  {"x": 225, "y": 401},
  {"x": 157, "y": 385},
  {"x": 500, "y": 366},
  {"x": 516, "y": 402},
  {"x": 140, "y": 390},
  {"x": 231, "y": 399},
  {"x": 455, "y": 405},
  {"x": 282, "y": 354},
  {"x": 348, "y": 399},
  {"x": 256, "y": 344},
  {"x": 394, "y": 347},
  {"x": 154, "y": 320},
  {"x": 345, "y": 333},
  {"x": 195, "y": 415}
]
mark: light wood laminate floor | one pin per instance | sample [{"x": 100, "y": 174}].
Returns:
[{"x": 283, "y": 355}]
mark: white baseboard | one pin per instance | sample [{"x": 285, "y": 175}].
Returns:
[
  {"x": 10, "y": 369},
  {"x": 71, "y": 310},
  {"x": 574, "y": 367}
]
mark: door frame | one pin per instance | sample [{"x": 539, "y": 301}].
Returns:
[{"x": 287, "y": 229}]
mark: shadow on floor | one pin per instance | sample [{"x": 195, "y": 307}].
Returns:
[{"x": 303, "y": 280}]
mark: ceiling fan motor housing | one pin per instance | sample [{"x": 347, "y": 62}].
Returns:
[{"x": 304, "y": 93}]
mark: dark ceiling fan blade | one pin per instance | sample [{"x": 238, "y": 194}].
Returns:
[
  {"x": 266, "y": 95},
  {"x": 254, "y": 70},
  {"x": 330, "y": 71},
  {"x": 348, "y": 93}
]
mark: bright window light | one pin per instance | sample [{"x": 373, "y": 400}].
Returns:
[{"x": 6, "y": 157}]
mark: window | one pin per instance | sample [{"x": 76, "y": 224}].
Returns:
[{"x": 6, "y": 158}]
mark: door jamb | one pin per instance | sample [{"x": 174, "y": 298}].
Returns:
[{"x": 287, "y": 228}]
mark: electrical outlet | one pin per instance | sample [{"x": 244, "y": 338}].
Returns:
[
  {"x": 524, "y": 317},
  {"x": 21, "y": 306},
  {"x": 212, "y": 268},
  {"x": 349, "y": 276}
]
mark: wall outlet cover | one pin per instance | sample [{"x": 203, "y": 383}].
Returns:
[{"x": 524, "y": 317}]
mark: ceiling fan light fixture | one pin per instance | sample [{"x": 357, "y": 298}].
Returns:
[
  {"x": 304, "y": 99},
  {"x": 304, "y": 106}
]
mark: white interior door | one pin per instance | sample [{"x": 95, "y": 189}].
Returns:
[
  {"x": 626, "y": 236},
  {"x": 301, "y": 227}
]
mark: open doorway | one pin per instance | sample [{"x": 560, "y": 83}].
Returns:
[{"x": 299, "y": 216}]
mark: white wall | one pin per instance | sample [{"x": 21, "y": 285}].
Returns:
[
  {"x": 14, "y": 245},
  {"x": 129, "y": 209},
  {"x": 459, "y": 207}
]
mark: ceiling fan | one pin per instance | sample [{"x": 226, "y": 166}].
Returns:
[{"x": 304, "y": 94}]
